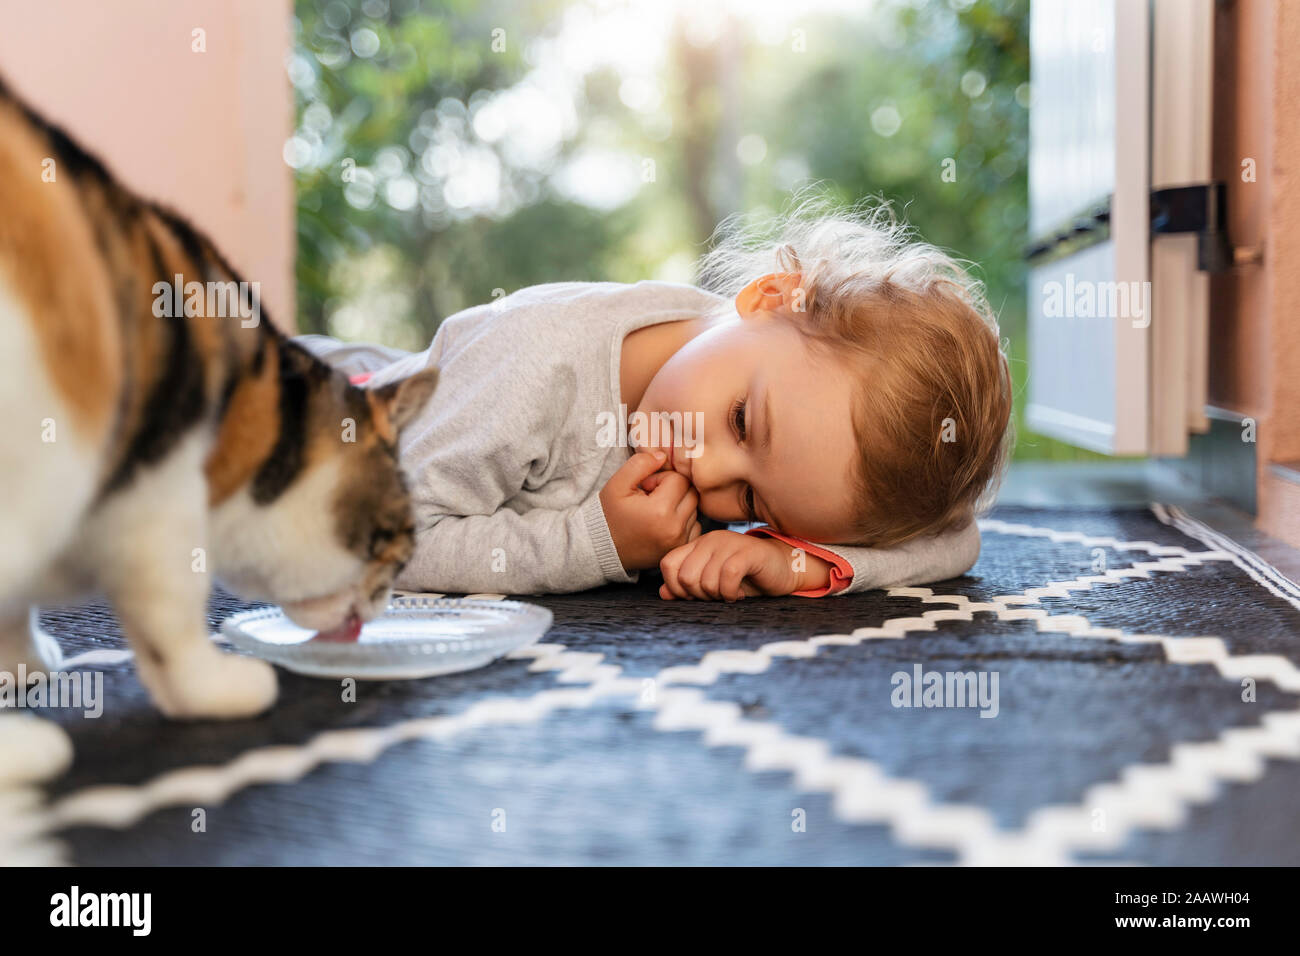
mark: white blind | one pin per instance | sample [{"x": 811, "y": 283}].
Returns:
[
  {"x": 1072, "y": 122},
  {"x": 1088, "y": 138}
]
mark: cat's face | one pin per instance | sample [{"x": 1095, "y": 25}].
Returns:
[{"x": 334, "y": 534}]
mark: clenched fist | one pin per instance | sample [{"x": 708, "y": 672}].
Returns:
[{"x": 648, "y": 512}]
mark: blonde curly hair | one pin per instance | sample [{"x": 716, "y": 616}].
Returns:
[{"x": 932, "y": 412}]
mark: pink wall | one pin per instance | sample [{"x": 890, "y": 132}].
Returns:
[
  {"x": 1242, "y": 128},
  {"x": 1254, "y": 334},
  {"x": 1279, "y": 500},
  {"x": 202, "y": 132}
]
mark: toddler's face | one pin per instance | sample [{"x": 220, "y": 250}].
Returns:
[{"x": 767, "y": 423}]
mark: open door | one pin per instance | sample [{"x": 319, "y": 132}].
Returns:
[{"x": 1117, "y": 308}]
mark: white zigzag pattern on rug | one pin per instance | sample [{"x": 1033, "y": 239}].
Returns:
[{"x": 1146, "y": 796}]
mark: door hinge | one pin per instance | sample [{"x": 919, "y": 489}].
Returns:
[{"x": 1201, "y": 208}]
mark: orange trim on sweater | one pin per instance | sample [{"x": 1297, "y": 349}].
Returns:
[{"x": 841, "y": 570}]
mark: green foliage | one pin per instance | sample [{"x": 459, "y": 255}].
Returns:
[
  {"x": 874, "y": 105},
  {"x": 429, "y": 53}
]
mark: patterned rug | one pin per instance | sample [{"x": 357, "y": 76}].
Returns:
[{"x": 1105, "y": 686}]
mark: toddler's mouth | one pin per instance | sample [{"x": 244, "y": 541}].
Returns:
[
  {"x": 677, "y": 460},
  {"x": 679, "y": 463}
]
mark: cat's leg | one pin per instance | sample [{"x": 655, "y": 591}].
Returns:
[
  {"x": 22, "y": 642},
  {"x": 185, "y": 673},
  {"x": 161, "y": 603},
  {"x": 151, "y": 542}
]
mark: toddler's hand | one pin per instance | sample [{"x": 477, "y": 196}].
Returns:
[
  {"x": 646, "y": 525},
  {"x": 728, "y": 565}
]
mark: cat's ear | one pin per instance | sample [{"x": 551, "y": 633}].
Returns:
[{"x": 395, "y": 404}]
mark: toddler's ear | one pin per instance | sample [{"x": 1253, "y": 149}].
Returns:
[
  {"x": 774, "y": 292},
  {"x": 395, "y": 404}
]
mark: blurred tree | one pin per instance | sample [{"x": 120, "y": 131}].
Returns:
[
  {"x": 418, "y": 192},
  {"x": 386, "y": 93}
]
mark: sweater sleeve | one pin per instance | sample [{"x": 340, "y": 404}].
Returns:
[
  {"x": 922, "y": 560},
  {"x": 472, "y": 453},
  {"x": 471, "y": 531},
  {"x": 537, "y": 552}
]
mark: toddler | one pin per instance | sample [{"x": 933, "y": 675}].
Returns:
[{"x": 843, "y": 389}]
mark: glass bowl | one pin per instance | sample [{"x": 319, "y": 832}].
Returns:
[{"x": 414, "y": 637}]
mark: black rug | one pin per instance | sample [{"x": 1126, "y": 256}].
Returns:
[{"x": 1147, "y": 710}]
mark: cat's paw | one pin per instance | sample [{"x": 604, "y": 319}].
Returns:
[
  {"x": 31, "y": 750},
  {"x": 23, "y": 643},
  {"x": 205, "y": 683}
]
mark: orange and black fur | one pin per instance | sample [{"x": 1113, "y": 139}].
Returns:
[{"x": 143, "y": 451}]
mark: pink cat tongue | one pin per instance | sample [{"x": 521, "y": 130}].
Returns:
[{"x": 349, "y": 630}]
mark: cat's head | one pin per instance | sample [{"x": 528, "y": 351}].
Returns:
[{"x": 324, "y": 525}]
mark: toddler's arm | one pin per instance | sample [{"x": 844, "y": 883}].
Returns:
[
  {"x": 538, "y": 552},
  {"x": 922, "y": 560},
  {"x": 468, "y": 459},
  {"x": 728, "y": 566},
  {"x": 725, "y": 565},
  {"x": 610, "y": 538}
]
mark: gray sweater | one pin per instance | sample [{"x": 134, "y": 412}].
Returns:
[{"x": 506, "y": 463}]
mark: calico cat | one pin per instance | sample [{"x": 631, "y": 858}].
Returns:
[{"x": 141, "y": 452}]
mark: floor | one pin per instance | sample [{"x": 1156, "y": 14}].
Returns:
[
  {"x": 1134, "y": 697},
  {"x": 1121, "y": 484}
]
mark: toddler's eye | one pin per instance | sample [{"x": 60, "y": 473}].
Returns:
[{"x": 738, "y": 417}]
